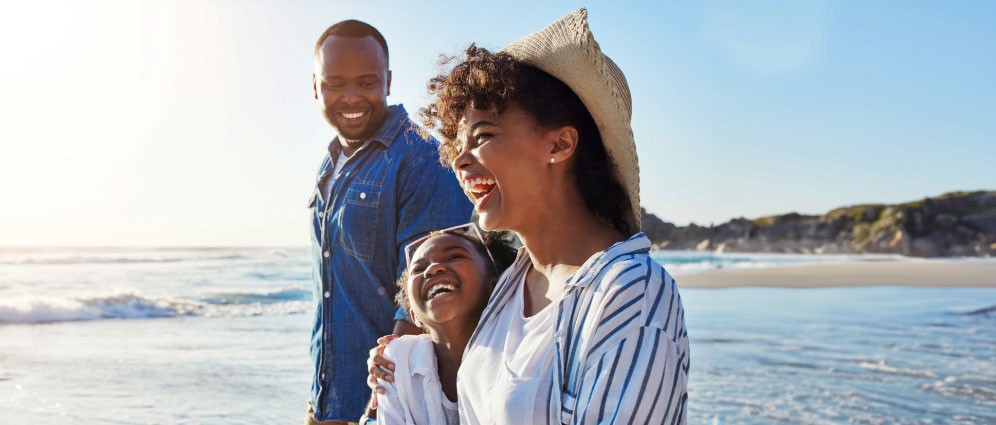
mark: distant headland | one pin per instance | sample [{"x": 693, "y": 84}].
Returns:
[{"x": 952, "y": 224}]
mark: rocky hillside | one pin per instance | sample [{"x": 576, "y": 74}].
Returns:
[{"x": 953, "y": 224}]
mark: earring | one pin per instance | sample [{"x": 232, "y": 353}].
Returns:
[{"x": 552, "y": 160}]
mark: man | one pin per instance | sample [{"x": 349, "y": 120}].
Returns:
[{"x": 379, "y": 187}]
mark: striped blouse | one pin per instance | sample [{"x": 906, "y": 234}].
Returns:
[{"x": 622, "y": 347}]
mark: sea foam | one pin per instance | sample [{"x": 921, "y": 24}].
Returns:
[
  {"x": 116, "y": 306},
  {"x": 131, "y": 305}
]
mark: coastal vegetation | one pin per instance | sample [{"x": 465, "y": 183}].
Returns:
[{"x": 953, "y": 224}]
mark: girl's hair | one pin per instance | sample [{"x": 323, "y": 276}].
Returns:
[
  {"x": 500, "y": 244},
  {"x": 486, "y": 80}
]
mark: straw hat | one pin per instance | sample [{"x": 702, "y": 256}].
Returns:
[{"x": 567, "y": 50}]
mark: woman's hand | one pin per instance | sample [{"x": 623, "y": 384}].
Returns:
[{"x": 379, "y": 367}]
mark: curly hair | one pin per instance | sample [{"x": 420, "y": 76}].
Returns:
[
  {"x": 499, "y": 244},
  {"x": 490, "y": 81}
]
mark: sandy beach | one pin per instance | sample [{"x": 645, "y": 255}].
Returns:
[{"x": 873, "y": 273}]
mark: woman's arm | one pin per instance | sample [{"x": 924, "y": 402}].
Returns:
[
  {"x": 380, "y": 368},
  {"x": 403, "y": 400}
]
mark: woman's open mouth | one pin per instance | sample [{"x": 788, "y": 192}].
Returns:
[{"x": 480, "y": 188}]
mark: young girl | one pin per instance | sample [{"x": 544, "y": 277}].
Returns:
[{"x": 449, "y": 279}]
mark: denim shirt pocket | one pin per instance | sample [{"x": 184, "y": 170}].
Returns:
[{"x": 359, "y": 220}]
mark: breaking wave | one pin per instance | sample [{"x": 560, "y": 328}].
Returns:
[
  {"x": 880, "y": 366},
  {"x": 135, "y": 306}
]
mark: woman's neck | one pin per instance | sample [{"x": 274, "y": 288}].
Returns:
[
  {"x": 559, "y": 241},
  {"x": 560, "y": 235}
]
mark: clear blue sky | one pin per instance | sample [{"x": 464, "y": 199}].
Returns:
[{"x": 192, "y": 123}]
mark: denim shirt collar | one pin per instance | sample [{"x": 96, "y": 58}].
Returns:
[
  {"x": 636, "y": 244},
  {"x": 396, "y": 118}
]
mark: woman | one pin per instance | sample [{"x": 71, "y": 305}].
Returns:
[
  {"x": 447, "y": 282},
  {"x": 584, "y": 327}
]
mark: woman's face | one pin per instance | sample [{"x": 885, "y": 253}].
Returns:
[
  {"x": 448, "y": 280},
  {"x": 503, "y": 165}
]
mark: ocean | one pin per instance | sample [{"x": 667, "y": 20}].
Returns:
[{"x": 219, "y": 336}]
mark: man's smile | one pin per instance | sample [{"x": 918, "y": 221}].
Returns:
[{"x": 353, "y": 115}]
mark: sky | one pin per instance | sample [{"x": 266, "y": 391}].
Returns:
[{"x": 193, "y": 123}]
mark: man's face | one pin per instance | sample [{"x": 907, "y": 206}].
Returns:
[{"x": 352, "y": 82}]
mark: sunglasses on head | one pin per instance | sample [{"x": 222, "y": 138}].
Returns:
[{"x": 412, "y": 247}]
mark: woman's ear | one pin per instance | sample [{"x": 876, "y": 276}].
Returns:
[
  {"x": 564, "y": 142},
  {"x": 415, "y": 319}
]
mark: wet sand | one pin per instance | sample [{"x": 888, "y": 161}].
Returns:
[{"x": 874, "y": 273}]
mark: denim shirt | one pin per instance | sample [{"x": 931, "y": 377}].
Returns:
[{"x": 389, "y": 193}]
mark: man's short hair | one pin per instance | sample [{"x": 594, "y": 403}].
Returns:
[{"x": 353, "y": 29}]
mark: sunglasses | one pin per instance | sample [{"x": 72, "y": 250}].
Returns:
[{"x": 412, "y": 247}]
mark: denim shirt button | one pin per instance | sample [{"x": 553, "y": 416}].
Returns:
[
  {"x": 363, "y": 195},
  {"x": 327, "y": 294},
  {"x": 320, "y": 214},
  {"x": 325, "y": 254}
]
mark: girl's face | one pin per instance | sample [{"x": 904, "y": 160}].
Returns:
[
  {"x": 503, "y": 165},
  {"x": 448, "y": 280}
]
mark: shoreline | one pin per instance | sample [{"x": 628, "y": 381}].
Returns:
[{"x": 925, "y": 273}]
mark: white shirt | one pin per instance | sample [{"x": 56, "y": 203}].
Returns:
[
  {"x": 519, "y": 368},
  {"x": 416, "y": 396}
]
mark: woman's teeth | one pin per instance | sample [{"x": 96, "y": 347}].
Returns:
[
  {"x": 353, "y": 116},
  {"x": 480, "y": 184}
]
